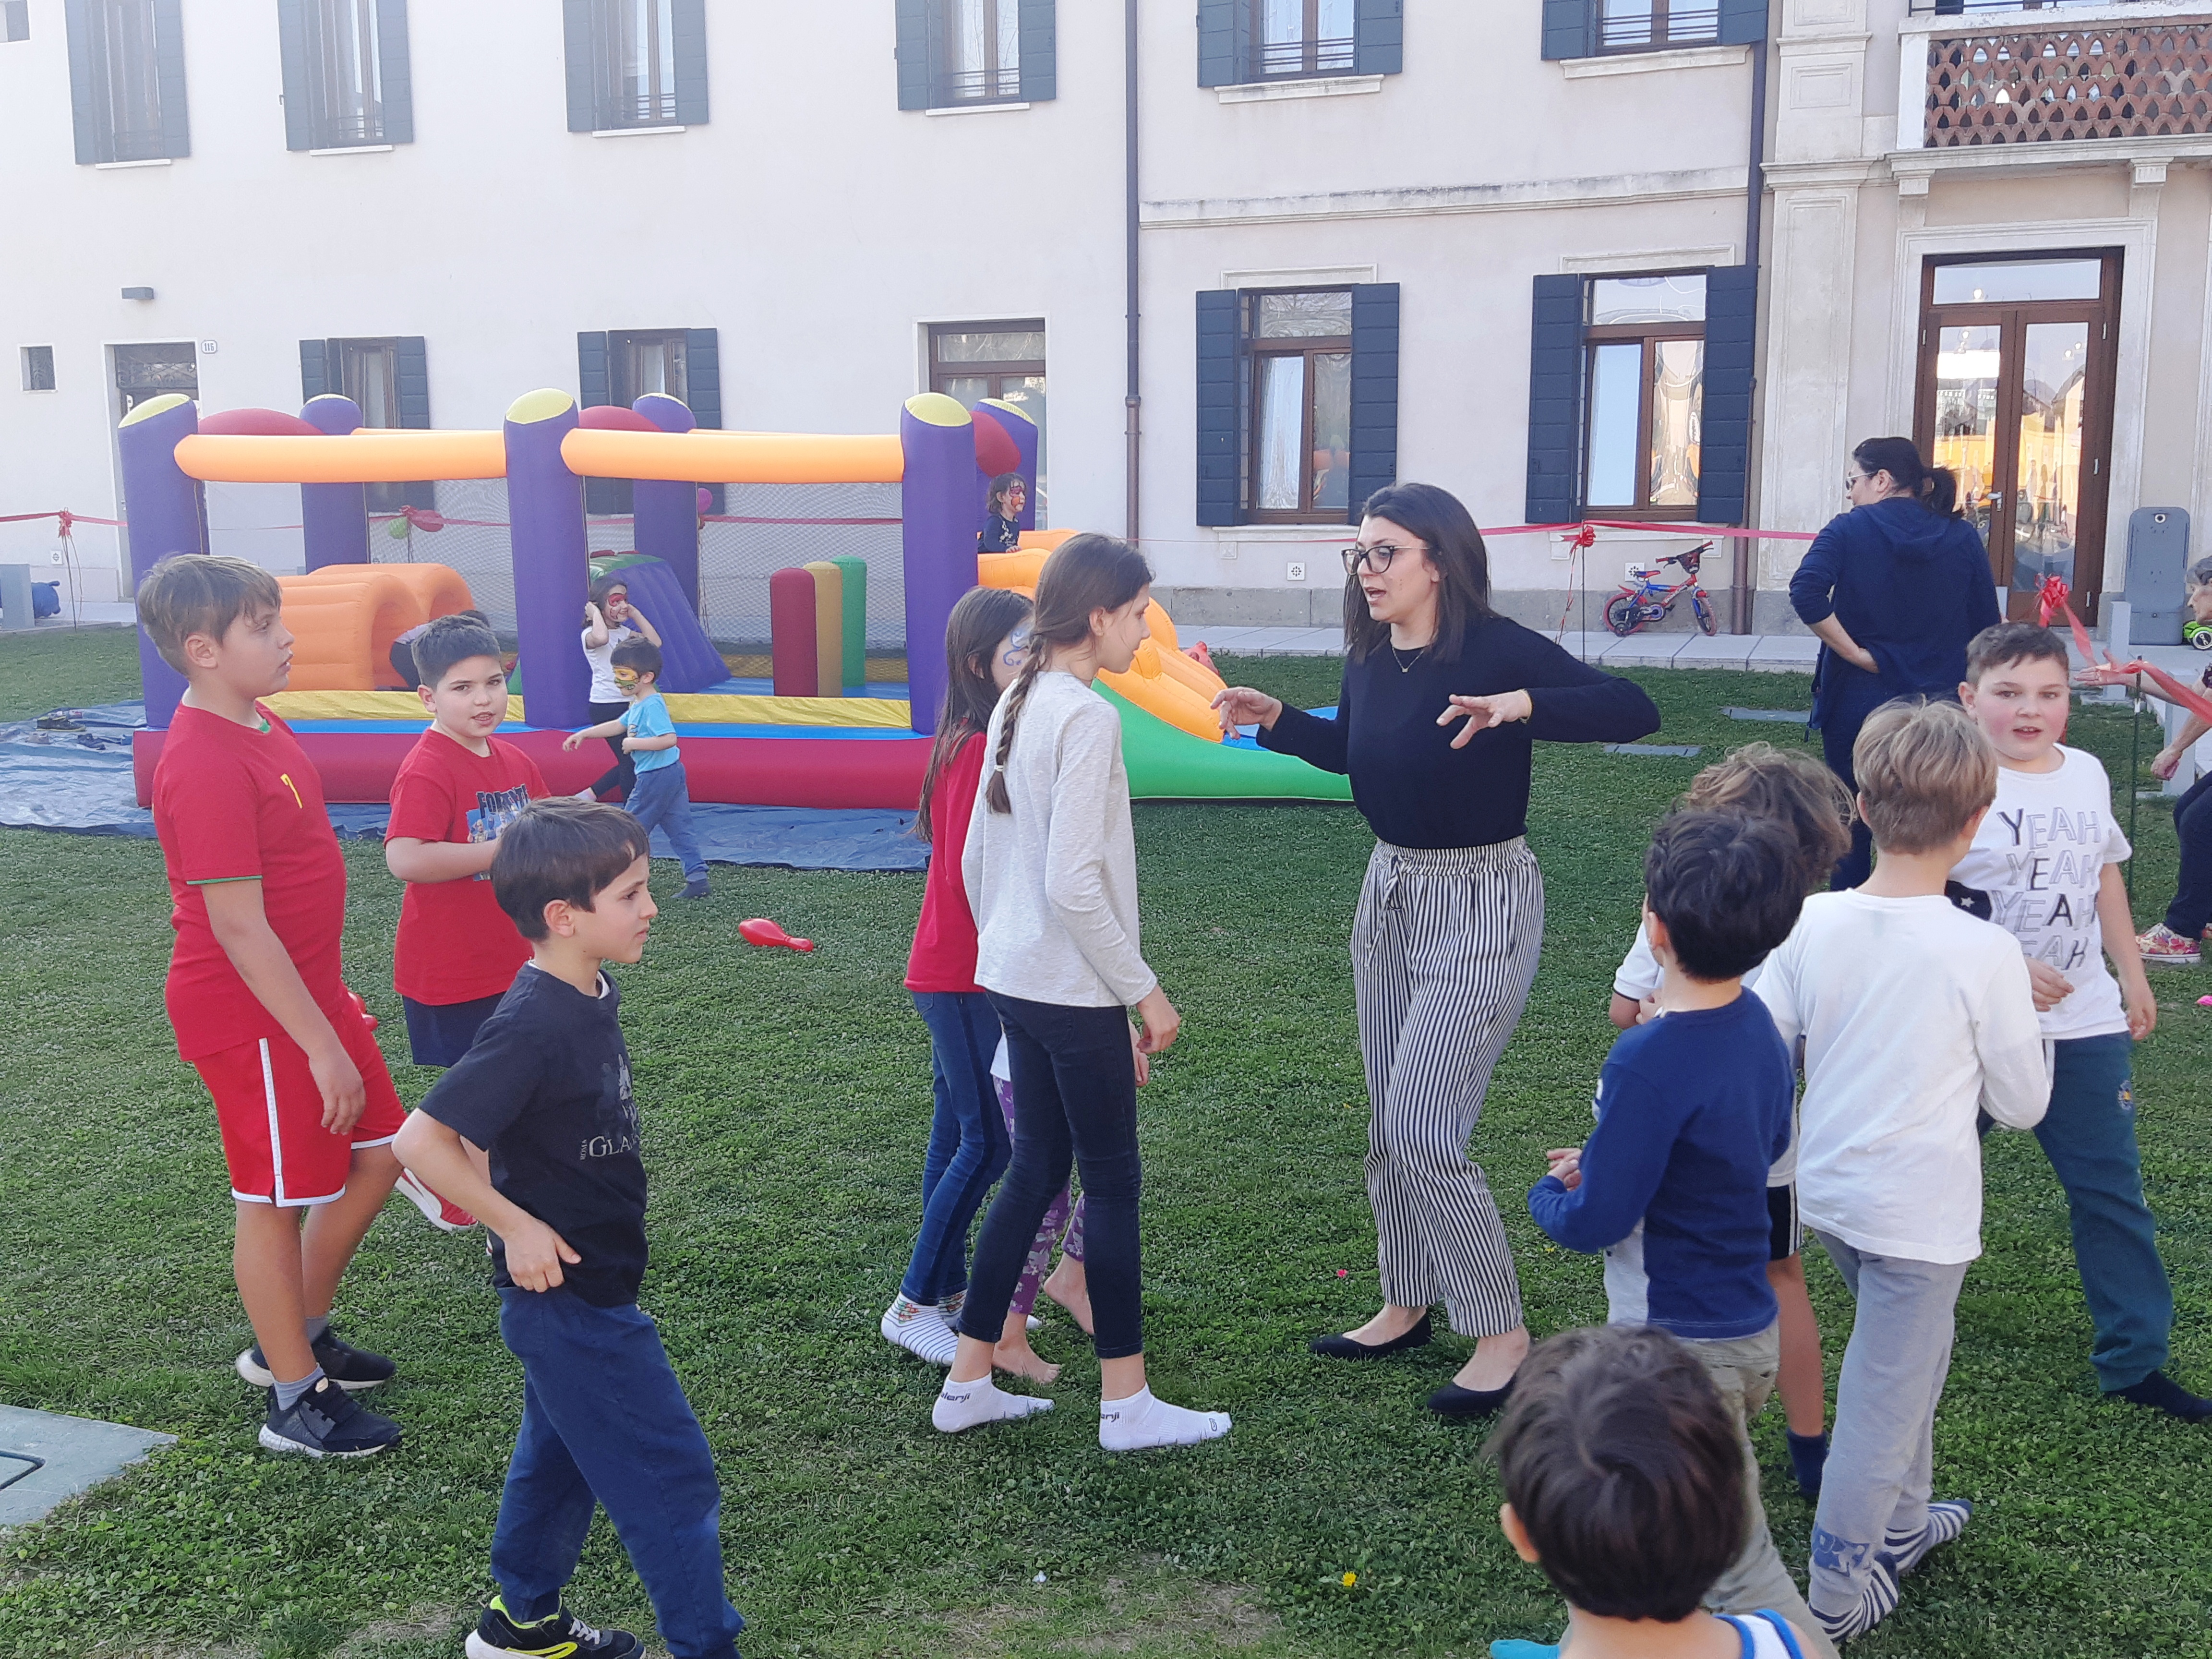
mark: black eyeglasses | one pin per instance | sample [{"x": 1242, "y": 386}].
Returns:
[{"x": 1376, "y": 558}]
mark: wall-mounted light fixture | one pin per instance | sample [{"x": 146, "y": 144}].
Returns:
[{"x": 138, "y": 293}]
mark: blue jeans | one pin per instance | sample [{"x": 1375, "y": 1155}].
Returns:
[
  {"x": 968, "y": 1143},
  {"x": 1075, "y": 1098},
  {"x": 604, "y": 1421},
  {"x": 662, "y": 799},
  {"x": 2089, "y": 1136}
]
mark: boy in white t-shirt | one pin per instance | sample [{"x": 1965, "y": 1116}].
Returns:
[
  {"x": 1914, "y": 1015},
  {"x": 2049, "y": 855}
]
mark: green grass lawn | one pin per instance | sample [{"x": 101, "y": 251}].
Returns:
[{"x": 784, "y": 1099}]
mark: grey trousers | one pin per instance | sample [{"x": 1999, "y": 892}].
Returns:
[
  {"x": 1881, "y": 1456},
  {"x": 1443, "y": 951},
  {"x": 1743, "y": 1368}
]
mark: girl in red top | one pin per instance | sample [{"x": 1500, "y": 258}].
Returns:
[{"x": 986, "y": 640}]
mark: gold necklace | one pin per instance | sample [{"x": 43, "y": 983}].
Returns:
[{"x": 1405, "y": 667}]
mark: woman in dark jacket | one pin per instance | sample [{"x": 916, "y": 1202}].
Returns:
[
  {"x": 1895, "y": 588},
  {"x": 1451, "y": 918}
]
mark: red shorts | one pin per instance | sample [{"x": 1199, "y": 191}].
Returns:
[{"x": 271, "y": 1115}]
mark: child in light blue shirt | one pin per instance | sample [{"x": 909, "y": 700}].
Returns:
[{"x": 661, "y": 797}]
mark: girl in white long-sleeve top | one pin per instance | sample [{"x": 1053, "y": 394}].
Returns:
[{"x": 1050, "y": 867}]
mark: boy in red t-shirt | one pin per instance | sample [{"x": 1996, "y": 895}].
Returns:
[
  {"x": 458, "y": 952},
  {"x": 306, "y": 1105}
]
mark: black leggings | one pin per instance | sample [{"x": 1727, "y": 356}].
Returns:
[
  {"x": 623, "y": 774},
  {"x": 1075, "y": 1102},
  {"x": 2192, "y": 894}
]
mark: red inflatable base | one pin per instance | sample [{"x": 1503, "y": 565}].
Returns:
[{"x": 830, "y": 772}]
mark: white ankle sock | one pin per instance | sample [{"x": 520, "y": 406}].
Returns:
[
  {"x": 1143, "y": 1420},
  {"x": 964, "y": 1404},
  {"x": 920, "y": 1328}
]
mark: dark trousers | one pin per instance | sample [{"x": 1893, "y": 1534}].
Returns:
[
  {"x": 1075, "y": 1104},
  {"x": 660, "y": 799},
  {"x": 2192, "y": 894},
  {"x": 623, "y": 774},
  {"x": 968, "y": 1141},
  {"x": 604, "y": 1421},
  {"x": 1839, "y": 732},
  {"x": 2089, "y": 1136}
]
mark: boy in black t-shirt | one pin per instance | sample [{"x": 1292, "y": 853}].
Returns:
[{"x": 545, "y": 1092}]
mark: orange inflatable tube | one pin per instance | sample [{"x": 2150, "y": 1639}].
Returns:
[
  {"x": 364, "y": 457},
  {"x": 733, "y": 456}
]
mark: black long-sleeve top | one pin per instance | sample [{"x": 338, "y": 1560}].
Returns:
[{"x": 1412, "y": 785}]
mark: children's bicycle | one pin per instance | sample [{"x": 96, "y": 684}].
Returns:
[{"x": 1643, "y": 597}]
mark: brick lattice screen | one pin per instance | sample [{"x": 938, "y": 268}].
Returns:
[{"x": 2116, "y": 80}]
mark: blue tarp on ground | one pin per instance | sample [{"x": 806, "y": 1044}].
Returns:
[{"x": 80, "y": 782}]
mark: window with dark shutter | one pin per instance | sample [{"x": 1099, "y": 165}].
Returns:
[
  {"x": 317, "y": 379},
  {"x": 388, "y": 379},
  {"x": 1381, "y": 37},
  {"x": 1374, "y": 392},
  {"x": 127, "y": 80},
  {"x": 1731, "y": 338},
  {"x": 621, "y": 365},
  {"x": 1644, "y": 395},
  {"x": 397, "y": 71},
  {"x": 1568, "y": 26},
  {"x": 1225, "y": 42},
  {"x": 1220, "y": 467},
  {"x": 337, "y": 55},
  {"x": 1039, "y": 56},
  {"x": 1555, "y": 387},
  {"x": 635, "y": 63},
  {"x": 952, "y": 53},
  {"x": 1654, "y": 25},
  {"x": 702, "y": 380},
  {"x": 15, "y": 19}
]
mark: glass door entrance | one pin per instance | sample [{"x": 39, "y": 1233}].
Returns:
[{"x": 2015, "y": 397}]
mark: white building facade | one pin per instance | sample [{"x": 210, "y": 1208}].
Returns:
[{"x": 1633, "y": 260}]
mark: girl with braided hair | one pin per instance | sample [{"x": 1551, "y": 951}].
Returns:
[{"x": 1051, "y": 872}]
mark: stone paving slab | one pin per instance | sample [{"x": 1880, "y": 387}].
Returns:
[
  {"x": 76, "y": 1453},
  {"x": 1645, "y": 651}
]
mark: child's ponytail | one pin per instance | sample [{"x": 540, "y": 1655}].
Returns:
[
  {"x": 994, "y": 791},
  {"x": 1084, "y": 574}
]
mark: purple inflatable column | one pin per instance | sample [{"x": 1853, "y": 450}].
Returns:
[
  {"x": 546, "y": 519},
  {"x": 666, "y": 515},
  {"x": 937, "y": 512},
  {"x": 335, "y": 516},
  {"x": 164, "y": 507},
  {"x": 1023, "y": 431}
]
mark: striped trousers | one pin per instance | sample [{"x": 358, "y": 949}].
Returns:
[{"x": 1443, "y": 951}]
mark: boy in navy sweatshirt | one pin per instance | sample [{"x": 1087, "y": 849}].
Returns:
[{"x": 1693, "y": 1108}]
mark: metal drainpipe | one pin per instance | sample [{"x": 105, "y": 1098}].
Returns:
[
  {"x": 1739, "y": 605},
  {"x": 1129, "y": 238}
]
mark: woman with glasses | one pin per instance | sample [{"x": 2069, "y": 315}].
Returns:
[
  {"x": 1895, "y": 588},
  {"x": 1443, "y": 700}
]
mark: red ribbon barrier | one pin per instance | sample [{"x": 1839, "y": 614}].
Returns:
[{"x": 2053, "y": 595}]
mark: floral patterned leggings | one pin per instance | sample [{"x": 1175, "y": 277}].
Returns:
[{"x": 1058, "y": 1215}]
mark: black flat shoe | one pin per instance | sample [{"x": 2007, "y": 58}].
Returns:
[
  {"x": 1343, "y": 1347},
  {"x": 1467, "y": 1404}
]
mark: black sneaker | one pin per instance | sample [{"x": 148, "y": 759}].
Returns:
[
  {"x": 557, "y": 1637},
  {"x": 323, "y": 1422},
  {"x": 352, "y": 1369}
]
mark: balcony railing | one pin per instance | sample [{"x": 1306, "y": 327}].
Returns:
[
  {"x": 1968, "y": 7},
  {"x": 2048, "y": 82},
  {"x": 1287, "y": 60},
  {"x": 979, "y": 86}
]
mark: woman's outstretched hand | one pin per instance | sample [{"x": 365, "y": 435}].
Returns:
[
  {"x": 1240, "y": 705},
  {"x": 1480, "y": 713}
]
